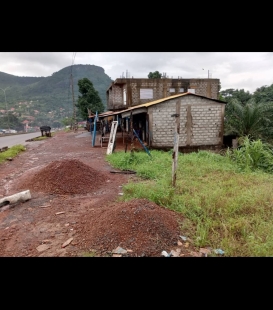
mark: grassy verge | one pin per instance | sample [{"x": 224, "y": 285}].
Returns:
[
  {"x": 224, "y": 205},
  {"x": 15, "y": 150},
  {"x": 11, "y": 152}
]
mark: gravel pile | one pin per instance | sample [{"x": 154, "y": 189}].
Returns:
[{"x": 68, "y": 176}]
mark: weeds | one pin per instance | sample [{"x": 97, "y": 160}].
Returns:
[{"x": 226, "y": 201}]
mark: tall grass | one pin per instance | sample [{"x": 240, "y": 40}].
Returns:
[{"x": 225, "y": 204}]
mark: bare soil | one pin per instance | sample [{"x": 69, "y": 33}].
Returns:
[{"x": 75, "y": 211}]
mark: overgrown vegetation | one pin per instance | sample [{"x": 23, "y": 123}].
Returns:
[
  {"x": 252, "y": 155},
  {"x": 226, "y": 204},
  {"x": 11, "y": 152}
]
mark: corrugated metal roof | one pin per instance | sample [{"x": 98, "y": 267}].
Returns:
[
  {"x": 110, "y": 113},
  {"x": 106, "y": 113}
]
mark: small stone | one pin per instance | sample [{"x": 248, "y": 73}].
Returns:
[
  {"x": 42, "y": 247},
  {"x": 175, "y": 253},
  {"x": 164, "y": 253},
  {"x": 66, "y": 243},
  {"x": 119, "y": 250},
  {"x": 46, "y": 241},
  {"x": 195, "y": 254},
  {"x": 205, "y": 251}
]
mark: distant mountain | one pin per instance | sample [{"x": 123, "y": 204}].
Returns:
[{"x": 51, "y": 96}]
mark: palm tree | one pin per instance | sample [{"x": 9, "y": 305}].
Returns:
[{"x": 254, "y": 120}]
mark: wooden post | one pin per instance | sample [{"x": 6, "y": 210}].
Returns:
[
  {"x": 131, "y": 132},
  {"x": 95, "y": 129},
  {"x": 176, "y": 141}
]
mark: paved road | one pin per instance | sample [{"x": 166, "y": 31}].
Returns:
[{"x": 11, "y": 140}]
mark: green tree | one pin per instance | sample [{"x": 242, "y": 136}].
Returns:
[
  {"x": 264, "y": 94},
  {"x": 221, "y": 98},
  {"x": 231, "y": 93},
  {"x": 67, "y": 121},
  {"x": 89, "y": 98},
  {"x": 154, "y": 75},
  {"x": 252, "y": 119}
]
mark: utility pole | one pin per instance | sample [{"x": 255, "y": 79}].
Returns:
[
  {"x": 4, "y": 90},
  {"x": 74, "y": 122}
]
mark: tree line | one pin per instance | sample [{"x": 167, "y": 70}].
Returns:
[{"x": 249, "y": 114}]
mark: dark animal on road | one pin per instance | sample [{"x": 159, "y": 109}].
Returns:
[{"x": 46, "y": 130}]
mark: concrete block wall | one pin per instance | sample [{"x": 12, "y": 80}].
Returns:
[
  {"x": 109, "y": 96},
  {"x": 135, "y": 93},
  {"x": 161, "y": 89},
  {"x": 117, "y": 94},
  {"x": 200, "y": 122},
  {"x": 206, "y": 124},
  {"x": 158, "y": 91},
  {"x": 115, "y": 98},
  {"x": 206, "y": 87},
  {"x": 163, "y": 125},
  {"x": 215, "y": 88}
]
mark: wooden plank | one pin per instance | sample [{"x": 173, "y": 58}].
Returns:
[
  {"x": 189, "y": 126},
  {"x": 112, "y": 137},
  {"x": 140, "y": 141},
  {"x": 176, "y": 141}
]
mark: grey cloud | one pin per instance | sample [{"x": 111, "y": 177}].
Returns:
[{"x": 235, "y": 70}]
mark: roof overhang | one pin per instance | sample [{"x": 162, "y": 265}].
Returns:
[{"x": 135, "y": 111}]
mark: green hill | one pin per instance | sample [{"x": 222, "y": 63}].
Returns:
[{"x": 51, "y": 96}]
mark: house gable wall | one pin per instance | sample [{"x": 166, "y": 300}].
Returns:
[{"x": 201, "y": 122}]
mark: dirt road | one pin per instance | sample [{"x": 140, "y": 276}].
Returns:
[{"x": 74, "y": 208}]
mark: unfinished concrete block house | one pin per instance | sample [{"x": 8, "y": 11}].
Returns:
[{"x": 150, "y": 105}]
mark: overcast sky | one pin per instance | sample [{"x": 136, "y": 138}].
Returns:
[{"x": 238, "y": 70}]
